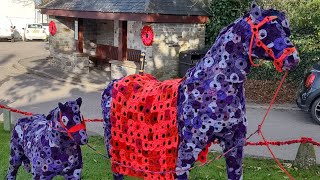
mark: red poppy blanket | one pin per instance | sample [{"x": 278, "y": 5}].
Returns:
[{"x": 144, "y": 126}]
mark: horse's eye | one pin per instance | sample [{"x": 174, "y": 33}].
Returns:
[{"x": 65, "y": 119}]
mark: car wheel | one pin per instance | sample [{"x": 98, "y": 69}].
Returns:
[{"x": 315, "y": 111}]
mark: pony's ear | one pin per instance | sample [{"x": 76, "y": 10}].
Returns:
[
  {"x": 79, "y": 101},
  {"x": 255, "y": 11},
  {"x": 61, "y": 106}
]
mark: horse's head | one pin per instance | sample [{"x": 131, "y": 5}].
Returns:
[
  {"x": 72, "y": 121},
  {"x": 270, "y": 38}
]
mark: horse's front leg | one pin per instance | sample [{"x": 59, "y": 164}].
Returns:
[
  {"x": 234, "y": 143},
  {"x": 187, "y": 155}
]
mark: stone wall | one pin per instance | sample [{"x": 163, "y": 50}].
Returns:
[
  {"x": 105, "y": 30},
  {"x": 162, "y": 57},
  {"x": 170, "y": 40},
  {"x": 97, "y": 32},
  {"x": 63, "y": 41},
  {"x": 90, "y": 36},
  {"x": 63, "y": 47}
]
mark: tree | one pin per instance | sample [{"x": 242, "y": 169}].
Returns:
[{"x": 223, "y": 13}]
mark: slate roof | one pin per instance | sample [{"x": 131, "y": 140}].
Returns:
[{"x": 169, "y": 7}]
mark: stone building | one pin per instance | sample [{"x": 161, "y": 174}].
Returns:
[{"x": 83, "y": 25}]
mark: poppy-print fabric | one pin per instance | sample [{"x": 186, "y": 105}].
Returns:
[{"x": 39, "y": 144}]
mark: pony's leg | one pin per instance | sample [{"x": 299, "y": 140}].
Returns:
[
  {"x": 41, "y": 177},
  {"x": 74, "y": 175},
  {"x": 16, "y": 156},
  {"x": 234, "y": 143},
  {"x": 26, "y": 165},
  {"x": 117, "y": 176}
]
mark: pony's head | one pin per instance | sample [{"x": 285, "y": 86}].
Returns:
[
  {"x": 72, "y": 122},
  {"x": 270, "y": 38}
]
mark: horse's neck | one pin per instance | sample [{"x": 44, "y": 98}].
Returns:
[
  {"x": 219, "y": 44},
  {"x": 53, "y": 118}
]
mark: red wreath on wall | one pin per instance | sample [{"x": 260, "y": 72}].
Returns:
[
  {"x": 147, "y": 35},
  {"x": 52, "y": 28}
]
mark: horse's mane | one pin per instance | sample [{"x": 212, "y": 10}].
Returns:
[{"x": 51, "y": 113}]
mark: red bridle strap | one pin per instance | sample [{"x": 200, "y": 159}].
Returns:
[
  {"x": 278, "y": 62},
  {"x": 73, "y": 129}
]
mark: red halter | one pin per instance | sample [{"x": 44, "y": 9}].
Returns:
[
  {"x": 73, "y": 129},
  {"x": 278, "y": 62}
]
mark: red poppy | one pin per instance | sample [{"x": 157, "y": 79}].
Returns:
[
  {"x": 52, "y": 28},
  {"x": 147, "y": 35}
]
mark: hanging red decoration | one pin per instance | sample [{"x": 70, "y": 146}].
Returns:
[
  {"x": 52, "y": 28},
  {"x": 147, "y": 35}
]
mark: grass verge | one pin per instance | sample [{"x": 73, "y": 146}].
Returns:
[{"x": 98, "y": 168}]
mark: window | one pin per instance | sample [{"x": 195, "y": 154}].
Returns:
[{"x": 34, "y": 26}]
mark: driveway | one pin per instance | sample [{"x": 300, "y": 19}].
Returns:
[{"x": 29, "y": 92}]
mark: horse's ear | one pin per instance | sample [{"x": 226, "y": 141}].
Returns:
[
  {"x": 255, "y": 10},
  {"x": 79, "y": 101},
  {"x": 61, "y": 106}
]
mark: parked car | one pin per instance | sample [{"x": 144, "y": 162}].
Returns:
[
  {"x": 7, "y": 30},
  {"x": 34, "y": 31},
  {"x": 308, "y": 96},
  {"x": 46, "y": 28}
]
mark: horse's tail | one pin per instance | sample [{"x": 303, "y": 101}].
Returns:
[{"x": 106, "y": 107}]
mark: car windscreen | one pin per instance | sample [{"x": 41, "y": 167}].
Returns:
[{"x": 37, "y": 26}]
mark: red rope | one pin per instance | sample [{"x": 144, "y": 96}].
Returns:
[
  {"x": 30, "y": 113},
  {"x": 16, "y": 110},
  {"x": 273, "y": 99},
  {"x": 263, "y": 120},
  {"x": 93, "y": 120},
  {"x": 303, "y": 140}
]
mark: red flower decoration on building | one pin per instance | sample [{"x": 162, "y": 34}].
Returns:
[
  {"x": 52, "y": 28},
  {"x": 147, "y": 35}
]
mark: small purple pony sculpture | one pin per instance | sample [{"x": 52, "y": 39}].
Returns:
[
  {"x": 48, "y": 146},
  {"x": 211, "y": 103}
]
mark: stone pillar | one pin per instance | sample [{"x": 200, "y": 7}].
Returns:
[
  {"x": 306, "y": 156},
  {"x": 7, "y": 120}
]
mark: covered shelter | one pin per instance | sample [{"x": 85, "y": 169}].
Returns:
[{"x": 109, "y": 31}]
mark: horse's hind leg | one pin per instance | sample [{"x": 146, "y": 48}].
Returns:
[
  {"x": 106, "y": 106},
  {"x": 235, "y": 156}
]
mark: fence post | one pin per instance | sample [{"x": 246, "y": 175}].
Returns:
[
  {"x": 7, "y": 120},
  {"x": 306, "y": 156}
]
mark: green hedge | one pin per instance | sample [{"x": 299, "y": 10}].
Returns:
[{"x": 304, "y": 17}]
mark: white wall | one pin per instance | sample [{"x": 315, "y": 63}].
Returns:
[{"x": 20, "y": 12}]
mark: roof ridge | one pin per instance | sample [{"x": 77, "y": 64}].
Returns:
[
  {"x": 169, "y": 7},
  {"x": 196, "y": 3},
  {"x": 42, "y": 5},
  {"x": 147, "y": 6}
]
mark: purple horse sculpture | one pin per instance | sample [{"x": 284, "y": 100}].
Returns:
[
  {"x": 211, "y": 97},
  {"x": 48, "y": 146}
]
